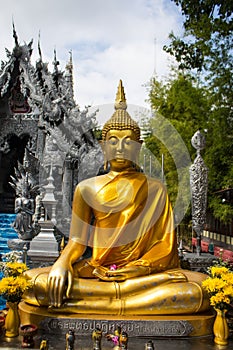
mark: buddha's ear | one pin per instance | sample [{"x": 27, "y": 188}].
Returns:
[
  {"x": 140, "y": 143},
  {"x": 102, "y": 144}
]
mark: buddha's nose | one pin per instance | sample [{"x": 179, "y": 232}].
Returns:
[{"x": 120, "y": 146}]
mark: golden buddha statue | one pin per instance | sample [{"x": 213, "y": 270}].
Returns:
[{"x": 134, "y": 267}]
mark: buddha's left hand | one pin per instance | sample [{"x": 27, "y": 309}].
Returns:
[{"x": 123, "y": 273}]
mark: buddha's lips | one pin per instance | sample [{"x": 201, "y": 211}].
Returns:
[{"x": 120, "y": 158}]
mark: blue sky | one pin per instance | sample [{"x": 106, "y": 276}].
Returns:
[{"x": 109, "y": 39}]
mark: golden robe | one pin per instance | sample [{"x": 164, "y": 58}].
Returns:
[
  {"x": 132, "y": 226},
  {"x": 133, "y": 222}
]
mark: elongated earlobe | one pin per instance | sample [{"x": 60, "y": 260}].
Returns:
[{"x": 105, "y": 165}]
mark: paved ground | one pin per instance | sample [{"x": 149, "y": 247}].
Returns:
[{"x": 58, "y": 343}]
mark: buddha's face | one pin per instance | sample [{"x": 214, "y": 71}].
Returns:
[{"x": 121, "y": 148}]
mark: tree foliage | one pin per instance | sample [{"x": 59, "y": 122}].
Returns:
[
  {"x": 208, "y": 34},
  {"x": 186, "y": 107},
  {"x": 205, "y": 51}
]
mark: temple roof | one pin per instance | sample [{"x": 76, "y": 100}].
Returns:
[{"x": 24, "y": 86}]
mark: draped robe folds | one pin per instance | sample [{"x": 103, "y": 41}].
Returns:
[
  {"x": 132, "y": 227},
  {"x": 133, "y": 222}
]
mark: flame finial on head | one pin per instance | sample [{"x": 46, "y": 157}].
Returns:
[{"x": 120, "y": 102}]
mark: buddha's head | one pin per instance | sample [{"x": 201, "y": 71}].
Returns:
[{"x": 121, "y": 136}]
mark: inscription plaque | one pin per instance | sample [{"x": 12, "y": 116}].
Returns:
[{"x": 134, "y": 328}]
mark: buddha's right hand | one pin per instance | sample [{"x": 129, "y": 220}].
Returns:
[{"x": 60, "y": 274}]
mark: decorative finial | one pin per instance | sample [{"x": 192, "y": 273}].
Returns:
[
  {"x": 26, "y": 179},
  {"x": 39, "y": 49},
  {"x": 198, "y": 141},
  {"x": 15, "y": 34},
  {"x": 62, "y": 245},
  {"x": 69, "y": 65},
  {"x": 26, "y": 159},
  {"x": 120, "y": 102},
  {"x": 55, "y": 61},
  {"x": 51, "y": 170}
]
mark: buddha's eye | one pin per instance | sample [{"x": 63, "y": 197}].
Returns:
[
  {"x": 128, "y": 141},
  {"x": 112, "y": 141}
]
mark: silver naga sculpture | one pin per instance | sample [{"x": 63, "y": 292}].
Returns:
[{"x": 199, "y": 186}]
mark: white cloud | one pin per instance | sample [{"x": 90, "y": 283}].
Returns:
[{"x": 110, "y": 39}]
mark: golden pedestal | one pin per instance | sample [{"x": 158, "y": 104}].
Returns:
[{"x": 145, "y": 326}]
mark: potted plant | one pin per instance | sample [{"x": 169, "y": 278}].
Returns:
[
  {"x": 12, "y": 287},
  {"x": 219, "y": 286}
]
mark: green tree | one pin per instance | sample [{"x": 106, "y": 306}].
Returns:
[
  {"x": 207, "y": 39},
  {"x": 186, "y": 107},
  {"x": 206, "y": 49}
]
